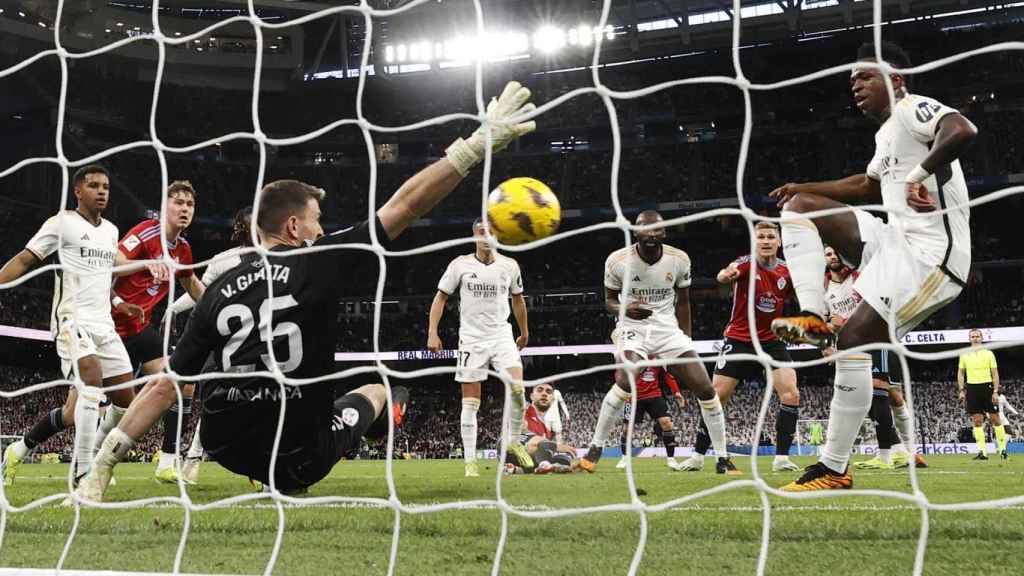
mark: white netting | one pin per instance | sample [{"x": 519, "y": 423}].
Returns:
[{"x": 915, "y": 498}]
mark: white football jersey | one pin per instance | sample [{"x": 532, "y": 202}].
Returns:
[
  {"x": 903, "y": 141},
  {"x": 484, "y": 292},
  {"x": 221, "y": 263},
  {"x": 840, "y": 297},
  {"x": 81, "y": 288},
  {"x": 652, "y": 285}
]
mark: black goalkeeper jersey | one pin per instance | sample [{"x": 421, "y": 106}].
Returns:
[{"x": 238, "y": 315}]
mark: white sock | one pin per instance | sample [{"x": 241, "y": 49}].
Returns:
[
  {"x": 805, "y": 258},
  {"x": 470, "y": 406},
  {"x": 781, "y": 458},
  {"x": 115, "y": 448},
  {"x": 108, "y": 423},
  {"x": 885, "y": 455},
  {"x": 714, "y": 419},
  {"x": 901, "y": 418},
  {"x": 20, "y": 449},
  {"x": 516, "y": 410},
  {"x": 87, "y": 420},
  {"x": 611, "y": 413},
  {"x": 166, "y": 460},
  {"x": 195, "y": 450},
  {"x": 851, "y": 401}
]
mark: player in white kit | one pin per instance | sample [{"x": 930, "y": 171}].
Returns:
[
  {"x": 221, "y": 263},
  {"x": 553, "y": 416},
  {"x": 85, "y": 245},
  {"x": 888, "y": 408},
  {"x": 485, "y": 281},
  {"x": 910, "y": 266},
  {"x": 651, "y": 280}
]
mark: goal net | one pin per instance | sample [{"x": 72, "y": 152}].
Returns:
[{"x": 404, "y": 513}]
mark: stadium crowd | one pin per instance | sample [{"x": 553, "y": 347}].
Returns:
[{"x": 431, "y": 429}]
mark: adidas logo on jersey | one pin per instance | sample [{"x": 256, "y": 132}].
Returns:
[
  {"x": 636, "y": 278},
  {"x": 85, "y": 236}
]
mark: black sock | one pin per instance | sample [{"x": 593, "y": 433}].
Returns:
[
  {"x": 622, "y": 439},
  {"x": 668, "y": 438},
  {"x": 563, "y": 458},
  {"x": 169, "y": 445},
  {"x": 882, "y": 415},
  {"x": 45, "y": 428},
  {"x": 785, "y": 428},
  {"x": 703, "y": 442}
]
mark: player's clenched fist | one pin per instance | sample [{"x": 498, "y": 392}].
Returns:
[
  {"x": 514, "y": 101},
  {"x": 434, "y": 343},
  {"x": 784, "y": 193},
  {"x": 918, "y": 198}
]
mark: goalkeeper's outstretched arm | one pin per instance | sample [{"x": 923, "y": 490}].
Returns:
[{"x": 419, "y": 194}]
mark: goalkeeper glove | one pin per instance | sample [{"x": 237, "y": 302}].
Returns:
[{"x": 464, "y": 154}]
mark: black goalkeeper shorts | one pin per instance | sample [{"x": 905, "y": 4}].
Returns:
[{"x": 239, "y": 432}]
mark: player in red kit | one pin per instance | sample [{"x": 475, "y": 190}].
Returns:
[
  {"x": 143, "y": 292},
  {"x": 771, "y": 289},
  {"x": 650, "y": 400},
  {"x": 548, "y": 455}
]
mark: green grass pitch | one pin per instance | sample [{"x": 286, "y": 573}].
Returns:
[{"x": 716, "y": 534}]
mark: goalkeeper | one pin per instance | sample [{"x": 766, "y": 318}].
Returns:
[{"x": 280, "y": 318}]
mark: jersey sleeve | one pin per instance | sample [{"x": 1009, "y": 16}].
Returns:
[
  {"x": 449, "y": 281},
  {"x": 337, "y": 260},
  {"x": 193, "y": 347},
  {"x": 921, "y": 116},
  {"x": 683, "y": 274},
  {"x": 874, "y": 170},
  {"x": 132, "y": 245},
  {"x": 613, "y": 273},
  {"x": 992, "y": 360},
  {"x": 963, "y": 363},
  {"x": 742, "y": 266},
  {"x": 517, "y": 279},
  {"x": 46, "y": 240},
  {"x": 673, "y": 385}
]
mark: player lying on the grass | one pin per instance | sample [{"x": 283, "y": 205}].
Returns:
[
  {"x": 241, "y": 237},
  {"x": 538, "y": 440},
  {"x": 887, "y": 404},
  {"x": 282, "y": 317},
  {"x": 485, "y": 281},
  {"x": 910, "y": 266},
  {"x": 772, "y": 287},
  {"x": 650, "y": 400},
  {"x": 87, "y": 344},
  {"x": 656, "y": 324},
  {"x": 141, "y": 339},
  {"x": 977, "y": 377}
]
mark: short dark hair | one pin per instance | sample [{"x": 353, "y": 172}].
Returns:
[
  {"x": 281, "y": 199},
  {"x": 182, "y": 186},
  {"x": 81, "y": 173},
  {"x": 891, "y": 53},
  {"x": 241, "y": 233}
]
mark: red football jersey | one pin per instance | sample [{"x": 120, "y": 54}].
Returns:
[
  {"x": 648, "y": 382},
  {"x": 535, "y": 422},
  {"x": 143, "y": 243},
  {"x": 772, "y": 287}
]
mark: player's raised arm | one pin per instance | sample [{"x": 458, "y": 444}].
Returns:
[
  {"x": 729, "y": 274},
  {"x": 19, "y": 265},
  {"x": 419, "y": 194},
  {"x": 856, "y": 188},
  {"x": 434, "y": 343}
]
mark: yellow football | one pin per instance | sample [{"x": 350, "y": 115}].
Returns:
[{"x": 522, "y": 210}]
